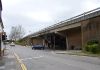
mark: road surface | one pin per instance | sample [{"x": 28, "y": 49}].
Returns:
[{"x": 49, "y": 60}]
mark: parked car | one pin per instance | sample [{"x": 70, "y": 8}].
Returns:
[
  {"x": 12, "y": 44},
  {"x": 38, "y": 47}
]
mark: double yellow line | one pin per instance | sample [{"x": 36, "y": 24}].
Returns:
[{"x": 20, "y": 61}]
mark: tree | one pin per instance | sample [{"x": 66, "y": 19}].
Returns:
[{"x": 17, "y": 32}]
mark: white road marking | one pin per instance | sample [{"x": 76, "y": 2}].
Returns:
[
  {"x": 10, "y": 63},
  {"x": 32, "y": 58},
  {"x": 2, "y": 67},
  {"x": 10, "y": 56},
  {"x": 52, "y": 52}
]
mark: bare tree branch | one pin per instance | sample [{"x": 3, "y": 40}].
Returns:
[{"x": 17, "y": 32}]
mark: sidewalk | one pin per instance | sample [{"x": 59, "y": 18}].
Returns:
[
  {"x": 77, "y": 52},
  {"x": 67, "y": 51},
  {"x": 9, "y": 62}
]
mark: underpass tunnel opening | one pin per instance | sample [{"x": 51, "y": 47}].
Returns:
[
  {"x": 49, "y": 40},
  {"x": 69, "y": 39},
  {"x": 55, "y": 41},
  {"x": 60, "y": 42},
  {"x": 72, "y": 38}
]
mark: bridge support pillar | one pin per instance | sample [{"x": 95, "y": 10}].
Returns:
[{"x": 67, "y": 46}]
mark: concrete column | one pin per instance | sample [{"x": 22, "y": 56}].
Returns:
[
  {"x": 54, "y": 42},
  {"x": 67, "y": 45},
  {"x": 43, "y": 42}
]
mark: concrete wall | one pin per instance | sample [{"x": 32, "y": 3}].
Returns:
[
  {"x": 74, "y": 38},
  {"x": 37, "y": 41},
  {"x": 76, "y": 35},
  {"x": 91, "y": 30}
]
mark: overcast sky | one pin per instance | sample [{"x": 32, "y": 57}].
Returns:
[{"x": 34, "y": 15}]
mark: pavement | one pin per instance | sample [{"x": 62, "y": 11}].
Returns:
[
  {"x": 77, "y": 52},
  {"x": 8, "y": 61}
]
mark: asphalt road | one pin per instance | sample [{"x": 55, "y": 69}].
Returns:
[{"x": 49, "y": 60}]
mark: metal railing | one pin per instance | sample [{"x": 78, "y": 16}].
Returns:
[
  {"x": 83, "y": 16},
  {"x": 77, "y": 18}
]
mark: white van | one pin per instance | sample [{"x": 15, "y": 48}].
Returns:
[{"x": 12, "y": 44}]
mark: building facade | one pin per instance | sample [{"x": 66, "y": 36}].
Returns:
[{"x": 1, "y": 27}]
